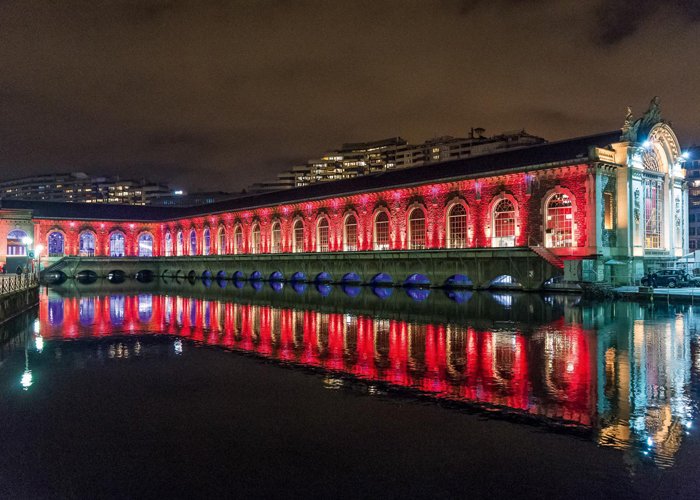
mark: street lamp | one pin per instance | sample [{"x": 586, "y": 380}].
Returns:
[{"x": 37, "y": 255}]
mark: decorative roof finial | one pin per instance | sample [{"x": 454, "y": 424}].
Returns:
[
  {"x": 629, "y": 129},
  {"x": 637, "y": 130}
]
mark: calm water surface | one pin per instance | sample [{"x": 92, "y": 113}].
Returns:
[{"x": 616, "y": 376}]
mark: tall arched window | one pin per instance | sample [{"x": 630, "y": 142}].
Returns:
[
  {"x": 322, "y": 235},
  {"x": 206, "y": 243},
  {"x": 503, "y": 223},
  {"x": 559, "y": 221},
  {"x": 238, "y": 240},
  {"x": 276, "y": 238},
  {"x": 350, "y": 233},
  {"x": 653, "y": 212},
  {"x": 381, "y": 231},
  {"x": 221, "y": 241},
  {"x": 416, "y": 229},
  {"x": 116, "y": 244},
  {"x": 55, "y": 244},
  {"x": 180, "y": 243},
  {"x": 193, "y": 242},
  {"x": 17, "y": 242},
  {"x": 86, "y": 244},
  {"x": 255, "y": 243},
  {"x": 298, "y": 236},
  {"x": 168, "y": 244},
  {"x": 457, "y": 227},
  {"x": 145, "y": 245}
]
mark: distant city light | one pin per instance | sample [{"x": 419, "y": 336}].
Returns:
[
  {"x": 685, "y": 154},
  {"x": 179, "y": 192}
]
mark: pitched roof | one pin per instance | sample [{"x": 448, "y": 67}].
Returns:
[{"x": 567, "y": 151}]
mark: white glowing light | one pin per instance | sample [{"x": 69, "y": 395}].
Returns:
[
  {"x": 39, "y": 341},
  {"x": 37, "y": 326},
  {"x": 177, "y": 345},
  {"x": 26, "y": 379}
]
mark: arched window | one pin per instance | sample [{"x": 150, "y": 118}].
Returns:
[
  {"x": 381, "y": 231},
  {"x": 238, "y": 240},
  {"x": 322, "y": 235},
  {"x": 180, "y": 243},
  {"x": 206, "y": 243},
  {"x": 55, "y": 244},
  {"x": 298, "y": 236},
  {"x": 116, "y": 244},
  {"x": 653, "y": 212},
  {"x": 168, "y": 244},
  {"x": 276, "y": 238},
  {"x": 86, "y": 244},
  {"x": 457, "y": 227},
  {"x": 193, "y": 242},
  {"x": 145, "y": 245},
  {"x": 559, "y": 221},
  {"x": 17, "y": 243},
  {"x": 221, "y": 241},
  {"x": 416, "y": 229},
  {"x": 503, "y": 222},
  {"x": 350, "y": 233},
  {"x": 255, "y": 242}
]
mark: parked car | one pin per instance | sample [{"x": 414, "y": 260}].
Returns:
[{"x": 670, "y": 278}]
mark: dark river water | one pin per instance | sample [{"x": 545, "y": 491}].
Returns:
[{"x": 142, "y": 390}]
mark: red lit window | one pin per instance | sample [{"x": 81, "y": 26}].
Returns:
[
  {"x": 145, "y": 245},
  {"x": 168, "y": 244},
  {"x": 255, "y": 243},
  {"x": 322, "y": 235},
  {"x": 503, "y": 224},
  {"x": 276, "y": 238},
  {"x": 298, "y": 236},
  {"x": 238, "y": 240},
  {"x": 221, "y": 241},
  {"x": 350, "y": 234},
  {"x": 416, "y": 229},
  {"x": 457, "y": 227},
  {"x": 559, "y": 222},
  {"x": 116, "y": 245},
  {"x": 206, "y": 241},
  {"x": 193, "y": 242},
  {"x": 381, "y": 231},
  {"x": 180, "y": 243}
]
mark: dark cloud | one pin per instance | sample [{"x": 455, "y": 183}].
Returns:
[
  {"x": 215, "y": 94},
  {"x": 617, "y": 20}
]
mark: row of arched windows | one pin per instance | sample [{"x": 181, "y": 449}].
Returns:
[
  {"x": 503, "y": 224},
  {"x": 86, "y": 244}
]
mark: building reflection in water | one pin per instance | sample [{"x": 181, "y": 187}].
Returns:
[{"x": 619, "y": 370}]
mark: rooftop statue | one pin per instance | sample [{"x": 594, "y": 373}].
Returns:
[{"x": 635, "y": 130}]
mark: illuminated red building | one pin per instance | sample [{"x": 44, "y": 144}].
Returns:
[{"x": 614, "y": 198}]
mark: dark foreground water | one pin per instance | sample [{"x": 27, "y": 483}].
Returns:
[{"x": 201, "y": 391}]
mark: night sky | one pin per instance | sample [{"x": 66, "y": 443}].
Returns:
[{"x": 216, "y": 95}]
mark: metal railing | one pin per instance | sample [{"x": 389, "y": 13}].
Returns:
[{"x": 10, "y": 283}]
